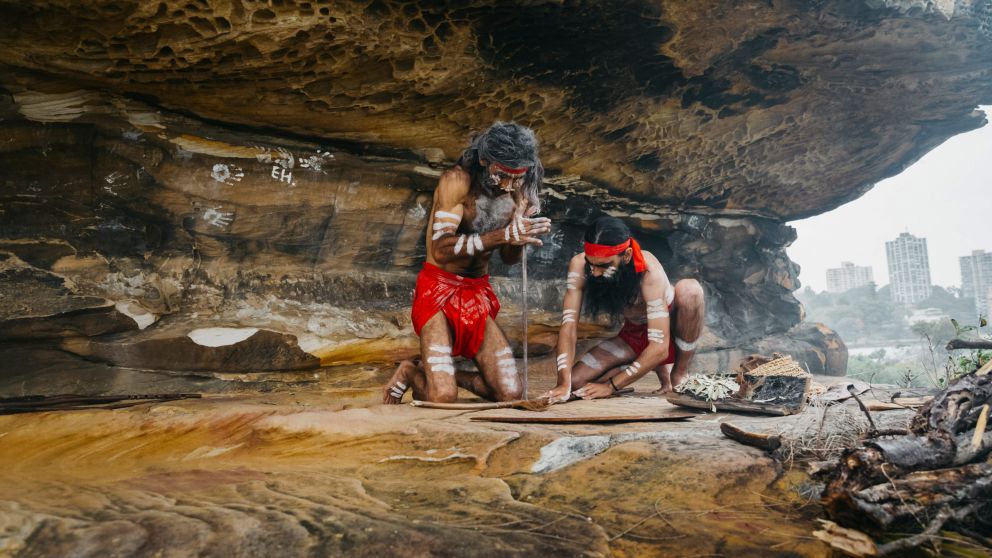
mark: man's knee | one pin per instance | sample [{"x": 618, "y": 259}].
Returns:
[
  {"x": 443, "y": 394},
  {"x": 509, "y": 391},
  {"x": 689, "y": 294}
]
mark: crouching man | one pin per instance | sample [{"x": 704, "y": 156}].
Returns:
[
  {"x": 613, "y": 276},
  {"x": 481, "y": 205}
]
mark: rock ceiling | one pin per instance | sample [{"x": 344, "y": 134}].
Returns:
[{"x": 782, "y": 108}]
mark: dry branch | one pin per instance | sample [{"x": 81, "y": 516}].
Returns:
[{"x": 929, "y": 478}]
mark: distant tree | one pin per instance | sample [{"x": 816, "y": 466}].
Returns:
[{"x": 949, "y": 301}]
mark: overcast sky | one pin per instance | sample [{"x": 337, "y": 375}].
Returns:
[{"x": 946, "y": 197}]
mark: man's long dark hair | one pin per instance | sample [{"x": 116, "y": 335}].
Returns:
[
  {"x": 510, "y": 144},
  {"x": 610, "y": 295}
]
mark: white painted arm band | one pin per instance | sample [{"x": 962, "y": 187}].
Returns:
[
  {"x": 633, "y": 369},
  {"x": 656, "y": 335},
  {"x": 446, "y": 215}
]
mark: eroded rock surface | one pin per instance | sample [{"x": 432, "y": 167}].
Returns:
[
  {"x": 788, "y": 108},
  {"x": 298, "y": 474},
  {"x": 271, "y": 165}
]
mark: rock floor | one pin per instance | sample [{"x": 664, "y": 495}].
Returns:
[{"x": 324, "y": 470}]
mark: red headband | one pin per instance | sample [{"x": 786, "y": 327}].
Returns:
[
  {"x": 604, "y": 251},
  {"x": 510, "y": 170}
]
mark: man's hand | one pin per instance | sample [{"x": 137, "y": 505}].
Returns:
[
  {"x": 594, "y": 391},
  {"x": 524, "y": 230},
  {"x": 559, "y": 394}
]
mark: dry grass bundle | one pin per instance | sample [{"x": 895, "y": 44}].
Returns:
[
  {"x": 822, "y": 433},
  {"x": 784, "y": 366}
]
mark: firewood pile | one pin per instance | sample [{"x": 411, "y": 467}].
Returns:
[{"x": 907, "y": 487}]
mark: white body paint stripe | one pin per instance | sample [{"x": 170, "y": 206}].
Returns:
[
  {"x": 444, "y": 368},
  {"x": 439, "y": 234},
  {"x": 458, "y": 245},
  {"x": 658, "y": 314},
  {"x": 685, "y": 345},
  {"x": 401, "y": 385},
  {"x": 440, "y": 349},
  {"x": 656, "y": 303},
  {"x": 444, "y": 225},
  {"x": 670, "y": 295},
  {"x": 504, "y": 351},
  {"x": 478, "y": 243},
  {"x": 470, "y": 246},
  {"x": 446, "y": 215},
  {"x": 506, "y": 233},
  {"x": 590, "y": 361},
  {"x": 439, "y": 360},
  {"x": 613, "y": 349}
]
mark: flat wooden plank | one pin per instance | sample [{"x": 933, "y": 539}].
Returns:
[
  {"x": 545, "y": 419},
  {"x": 733, "y": 405}
]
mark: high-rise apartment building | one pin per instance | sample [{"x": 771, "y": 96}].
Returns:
[
  {"x": 976, "y": 279},
  {"x": 909, "y": 268},
  {"x": 847, "y": 277}
]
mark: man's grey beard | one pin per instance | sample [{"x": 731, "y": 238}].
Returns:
[{"x": 492, "y": 213}]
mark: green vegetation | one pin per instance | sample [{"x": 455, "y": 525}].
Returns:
[{"x": 867, "y": 316}]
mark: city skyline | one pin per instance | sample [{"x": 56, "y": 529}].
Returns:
[{"x": 942, "y": 197}]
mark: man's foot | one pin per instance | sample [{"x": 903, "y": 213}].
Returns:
[
  {"x": 679, "y": 377},
  {"x": 402, "y": 380},
  {"x": 666, "y": 384}
]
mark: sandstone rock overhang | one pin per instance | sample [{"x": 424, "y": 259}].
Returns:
[{"x": 784, "y": 108}]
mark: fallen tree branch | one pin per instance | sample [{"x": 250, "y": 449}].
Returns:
[
  {"x": 958, "y": 343},
  {"x": 927, "y": 536}
]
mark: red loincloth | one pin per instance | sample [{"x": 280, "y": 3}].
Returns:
[
  {"x": 466, "y": 302},
  {"x": 636, "y": 335}
]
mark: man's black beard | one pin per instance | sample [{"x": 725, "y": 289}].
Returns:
[{"x": 611, "y": 295}]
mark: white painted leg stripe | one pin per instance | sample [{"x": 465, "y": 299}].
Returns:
[
  {"x": 657, "y": 314},
  {"x": 440, "y": 360},
  {"x": 504, "y": 351},
  {"x": 613, "y": 349},
  {"x": 685, "y": 345},
  {"x": 445, "y": 368},
  {"x": 444, "y": 349},
  {"x": 590, "y": 361},
  {"x": 656, "y": 303},
  {"x": 400, "y": 385}
]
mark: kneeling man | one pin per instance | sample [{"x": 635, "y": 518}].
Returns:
[
  {"x": 482, "y": 204},
  {"x": 613, "y": 276}
]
